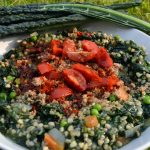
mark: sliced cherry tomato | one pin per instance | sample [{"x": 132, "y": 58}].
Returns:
[
  {"x": 95, "y": 84},
  {"x": 91, "y": 121},
  {"x": 68, "y": 46},
  {"x": 52, "y": 75},
  {"x": 60, "y": 92},
  {"x": 45, "y": 67},
  {"x": 90, "y": 47},
  {"x": 86, "y": 72},
  {"x": 56, "y": 47},
  {"x": 103, "y": 58},
  {"x": 80, "y": 56},
  {"x": 75, "y": 79}
]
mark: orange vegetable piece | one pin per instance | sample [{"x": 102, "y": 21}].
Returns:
[
  {"x": 52, "y": 143},
  {"x": 91, "y": 121}
]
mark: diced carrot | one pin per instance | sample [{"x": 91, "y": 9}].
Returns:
[
  {"x": 52, "y": 143},
  {"x": 91, "y": 121}
]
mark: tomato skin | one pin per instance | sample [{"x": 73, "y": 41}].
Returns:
[
  {"x": 52, "y": 75},
  {"x": 103, "y": 58},
  {"x": 45, "y": 67},
  {"x": 88, "y": 73},
  {"x": 91, "y": 121},
  {"x": 68, "y": 46},
  {"x": 60, "y": 92},
  {"x": 90, "y": 47},
  {"x": 75, "y": 79},
  {"x": 80, "y": 56},
  {"x": 107, "y": 82},
  {"x": 95, "y": 84},
  {"x": 56, "y": 46}
]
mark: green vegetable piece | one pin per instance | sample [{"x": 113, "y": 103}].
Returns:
[
  {"x": 94, "y": 112},
  {"x": 100, "y": 13},
  {"x": 10, "y": 78},
  {"x": 117, "y": 37},
  {"x": 12, "y": 95},
  {"x": 34, "y": 38},
  {"x": 17, "y": 81},
  {"x": 112, "y": 98},
  {"x": 97, "y": 107},
  {"x": 146, "y": 99},
  {"x": 3, "y": 96},
  {"x": 63, "y": 123}
]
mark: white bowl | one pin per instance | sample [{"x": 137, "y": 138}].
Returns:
[{"x": 126, "y": 33}]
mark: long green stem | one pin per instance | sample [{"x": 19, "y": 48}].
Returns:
[{"x": 101, "y": 13}]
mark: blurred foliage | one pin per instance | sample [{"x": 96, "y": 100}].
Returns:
[{"x": 142, "y": 12}]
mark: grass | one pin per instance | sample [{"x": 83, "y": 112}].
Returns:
[{"x": 142, "y": 12}]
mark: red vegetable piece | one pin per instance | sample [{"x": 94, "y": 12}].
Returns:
[
  {"x": 110, "y": 82},
  {"x": 75, "y": 79},
  {"x": 80, "y": 56},
  {"x": 103, "y": 58},
  {"x": 52, "y": 75},
  {"x": 68, "y": 46},
  {"x": 45, "y": 67},
  {"x": 88, "y": 73},
  {"x": 79, "y": 33},
  {"x": 90, "y": 47},
  {"x": 56, "y": 47},
  {"x": 95, "y": 84},
  {"x": 60, "y": 92}
]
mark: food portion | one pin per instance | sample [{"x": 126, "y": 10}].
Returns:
[{"x": 74, "y": 90}]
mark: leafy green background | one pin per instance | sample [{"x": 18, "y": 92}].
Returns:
[{"x": 142, "y": 12}]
